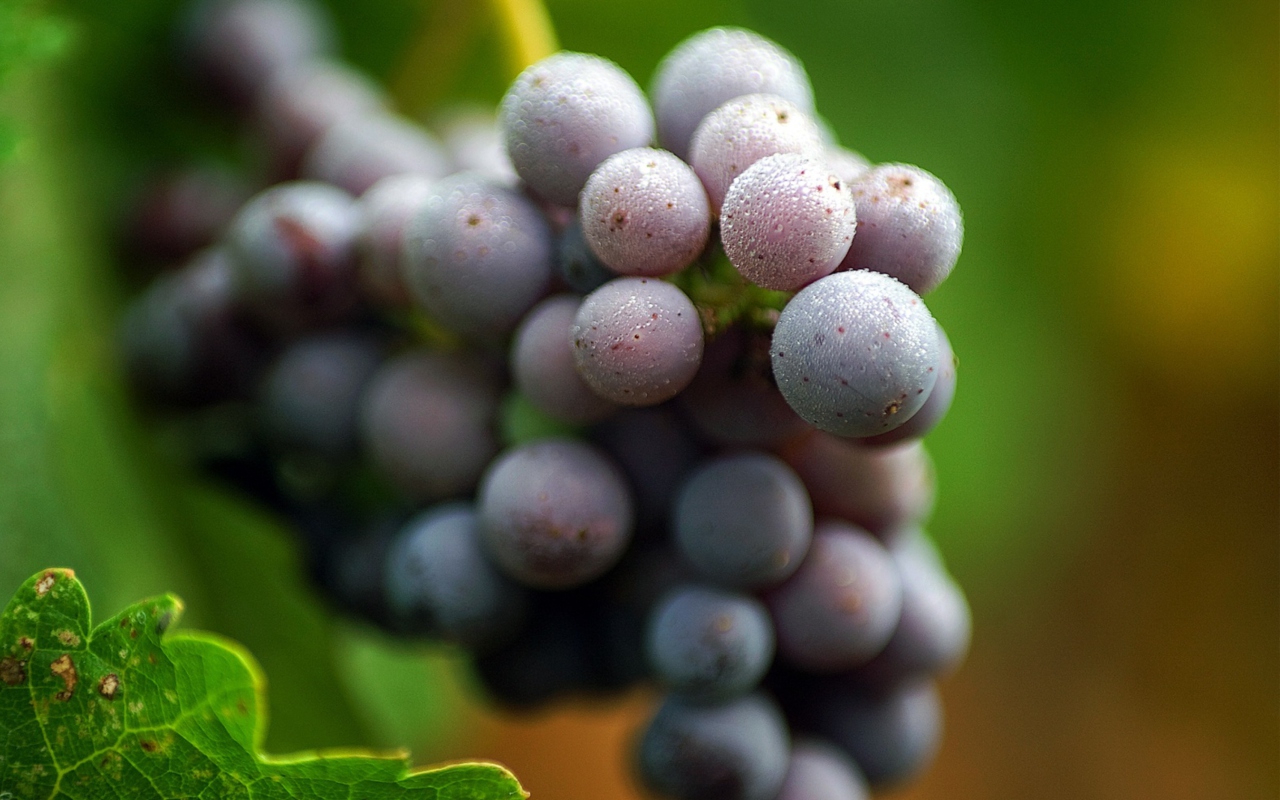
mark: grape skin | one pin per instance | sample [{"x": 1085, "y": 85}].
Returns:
[
  {"x": 820, "y": 771},
  {"x": 637, "y": 341},
  {"x": 709, "y": 644},
  {"x": 713, "y": 67},
  {"x": 657, "y": 453},
  {"x": 855, "y": 353},
  {"x": 543, "y": 366},
  {"x": 644, "y": 212},
  {"x": 787, "y": 221},
  {"x": 301, "y": 102},
  {"x": 846, "y": 164},
  {"x": 385, "y": 211},
  {"x": 357, "y": 152},
  {"x": 935, "y": 408},
  {"x": 567, "y": 113},
  {"x": 577, "y": 266}
]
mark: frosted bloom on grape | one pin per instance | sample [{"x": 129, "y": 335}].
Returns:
[
  {"x": 477, "y": 256},
  {"x": 935, "y": 408},
  {"x": 909, "y": 226},
  {"x": 846, "y": 164},
  {"x": 743, "y": 131},
  {"x": 356, "y": 152},
  {"x": 543, "y": 368},
  {"x": 566, "y": 114},
  {"x": 855, "y": 353},
  {"x": 713, "y": 67},
  {"x": 787, "y": 221},
  {"x": 644, "y": 212},
  {"x": 385, "y": 211},
  {"x": 821, "y": 771},
  {"x": 637, "y": 341},
  {"x": 302, "y": 101},
  {"x": 474, "y": 142}
]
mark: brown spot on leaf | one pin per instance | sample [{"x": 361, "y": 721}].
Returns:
[
  {"x": 63, "y": 667},
  {"x": 45, "y": 583},
  {"x": 26, "y": 643},
  {"x": 149, "y": 745},
  {"x": 12, "y": 671},
  {"x": 69, "y": 638},
  {"x": 109, "y": 685}
]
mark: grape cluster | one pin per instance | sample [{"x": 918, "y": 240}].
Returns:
[{"x": 715, "y": 308}]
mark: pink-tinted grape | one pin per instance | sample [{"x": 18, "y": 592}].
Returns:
[
  {"x": 183, "y": 211},
  {"x": 644, "y": 212},
  {"x": 856, "y": 353},
  {"x": 821, "y": 771},
  {"x": 566, "y": 114},
  {"x": 713, "y": 67},
  {"x": 637, "y": 341},
  {"x": 543, "y": 368},
  {"x": 303, "y": 100},
  {"x": 356, "y": 152},
  {"x": 891, "y": 734},
  {"x": 909, "y": 226},
  {"x": 846, "y": 164},
  {"x": 385, "y": 211},
  {"x": 787, "y": 221},
  {"x": 709, "y": 644},
  {"x": 935, "y": 408},
  {"x": 475, "y": 144}
]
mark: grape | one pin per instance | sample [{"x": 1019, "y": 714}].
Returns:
[
  {"x": 542, "y": 364},
  {"x": 786, "y": 221},
  {"x": 643, "y": 212},
  {"x": 566, "y": 114},
  {"x": 555, "y": 513},
  {"x": 846, "y": 164},
  {"x": 855, "y": 353},
  {"x": 356, "y": 152},
  {"x": 577, "y": 265},
  {"x": 909, "y": 226},
  {"x": 935, "y": 408},
  {"x": 311, "y": 396},
  {"x": 637, "y": 341},
  {"x": 735, "y": 751},
  {"x": 713, "y": 67},
  {"x": 184, "y": 211},
  {"x": 385, "y": 211},
  {"x": 351, "y": 566},
  {"x": 709, "y": 644},
  {"x": 475, "y": 144},
  {"x": 745, "y": 130},
  {"x": 656, "y": 453},
  {"x": 427, "y": 422},
  {"x": 879, "y": 489},
  {"x": 820, "y": 771},
  {"x": 841, "y": 606},
  {"x": 744, "y": 520},
  {"x": 477, "y": 256},
  {"x": 549, "y": 657},
  {"x": 292, "y": 250},
  {"x": 438, "y": 581},
  {"x": 734, "y": 400},
  {"x": 303, "y": 100}
]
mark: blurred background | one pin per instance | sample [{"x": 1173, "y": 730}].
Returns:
[{"x": 1109, "y": 474}]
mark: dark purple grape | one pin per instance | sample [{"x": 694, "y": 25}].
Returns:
[
  {"x": 656, "y": 452},
  {"x": 713, "y": 67},
  {"x": 550, "y": 657},
  {"x": 735, "y": 751},
  {"x": 935, "y": 408},
  {"x": 709, "y": 644},
  {"x": 841, "y": 606},
  {"x": 543, "y": 367},
  {"x": 555, "y": 513},
  {"x": 821, "y": 771},
  {"x": 385, "y": 211},
  {"x": 303, "y": 100},
  {"x": 184, "y": 211},
  {"x": 356, "y": 152},
  {"x": 909, "y": 226},
  {"x": 577, "y": 265},
  {"x": 744, "y": 520}
]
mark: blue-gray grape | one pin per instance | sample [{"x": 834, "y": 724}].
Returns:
[
  {"x": 385, "y": 211},
  {"x": 577, "y": 265},
  {"x": 656, "y": 452},
  {"x": 357, "y": 152},
  {"x": 935, "y": 408},
  {"x": 856, "y": 353},
  {"x": 543, "y": 367},
  {"x": 301, "y": 102},
  {"x": 708, "y": 643},
  {"x": 475, "y": 144},
  {"x": 821, "y": 771}
]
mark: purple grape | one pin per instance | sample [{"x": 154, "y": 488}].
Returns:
[
  {"x": 787, "y": 221},
  {"x": 709, "y": 644},
  {"x": 935, "y": 408},
  {"x": 304, "y": 100},
  {"x": 643, "y": 212},
  {"x": 713, "y": 67},
  {"x": 477, "y": 256},
  {"x": 475, "y": 144},
  {"x": 577, "y": 266},
  {"x": 438, "y": 581},
  {"x": 745, "y": 130},
  {"x": 909, "y": 226},
  {"x": 856, "y": 353},
  {"x": 841, "y": 606},
  {"x": 744, "y": 520},
  {"x": 543, "y": 368},
  {"x": 184, "y": 211},
  {"x": 566, "y": 114},
  {"x": 549, "y": 657},
  {"x": 846, "y": 164},
  {"x": 555, "y": 513},
  {"x": 385, "y": 212},
  {"x": 656, "y": 452},
  {"x": 356, "y": 152},
  {"x": 821, "y": 771},
  {"x": 879, "y": 489},
  {"x": 637, "y": 341},
  {"x": 427, "y": 421}
]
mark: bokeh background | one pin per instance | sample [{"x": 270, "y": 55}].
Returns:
[{"x": 1109, "y": 479}]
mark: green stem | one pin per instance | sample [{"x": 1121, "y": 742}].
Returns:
[{"x": 526, "y": 31}]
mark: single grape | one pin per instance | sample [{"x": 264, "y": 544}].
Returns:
[
  {"x": 427, "y": 422},
  {"x": 909, "y": 226},
  {"x": 935, "y": 408},
  {"x": 735, "y": 751},
  {"x": 555, "y": 513},
  {"x": 787, "y": 221},
  {"x": 356, "y": 152},
  {"x": 745, "y": 130},
  {"x": 713, "y": 67},
  {"x": 474, "y": 142},
  {"x": 846, "y": 164},
  {"x": 385, "y": 211},
  {"x": 841, "y": 606},
  {"x": 477, "y": 256},
  {"x": 643, "y": 212},
  {"x": 179, "y": 213},
  {"x": 709, "y": 644},
  {"x": 303, "y": 100},
  {"x": 543, "y": 368},
  {"x": 744, "y": 520},
  {"x": 637, "y": 341},
  {"x": 656, "y": 452},
  {"x": 438, "y": 581},
  {"x": 310, "y": 397},
  {"x": 566, "y": 114},
  {"x": 880, "y": 489},
  {"x": 577, "y": 266},
  {"x": 821, "y": 771},
  {"x": 856, "y": 353}
]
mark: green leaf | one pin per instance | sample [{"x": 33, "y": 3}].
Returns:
[{"x": 124, "y": 710}]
